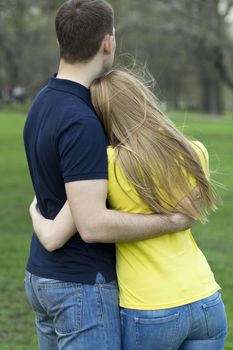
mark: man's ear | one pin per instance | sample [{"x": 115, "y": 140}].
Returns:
[{"x": 107, "y": 44}]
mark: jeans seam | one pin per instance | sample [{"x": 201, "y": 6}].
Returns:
[
  {"x": 137, "y": 335},
  {"x": 41, "y": 299},
  {"x": 121, "y": 320},
  {"x": 190, "y": 318},
  {"x": 59, "y": 285},
  {"x": 99, "y": 301},
  {"x": 168, "y": 318},
  {"x": 102, "y": 318},
  {"x": 29, "y": 284}
]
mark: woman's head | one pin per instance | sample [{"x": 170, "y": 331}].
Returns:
[
  {"x": 154, "y": 155},
  {"x": 121, "y": 101}
]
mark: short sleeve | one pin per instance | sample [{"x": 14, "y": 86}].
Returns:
[
  {"x": 203, "y": 156},
  {"x": 82, "y": 150}
]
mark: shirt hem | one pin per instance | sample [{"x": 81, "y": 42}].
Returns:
[
  {"x": 77, "y": 278},
  {"x": 171, "y": 305}
]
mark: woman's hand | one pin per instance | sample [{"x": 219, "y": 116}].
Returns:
[
  {"x": 53, "y": 234},
  {"x": 42, "y": 226},
  {"x": 33, "y": 207}
]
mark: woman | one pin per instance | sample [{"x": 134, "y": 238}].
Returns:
[{"x": 168, "y": 295}]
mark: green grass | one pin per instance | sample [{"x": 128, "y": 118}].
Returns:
[{"x": 215, "y": 238}]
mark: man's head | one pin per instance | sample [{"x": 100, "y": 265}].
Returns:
[{"x": 84, "y": 27}]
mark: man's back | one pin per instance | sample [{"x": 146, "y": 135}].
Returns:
[{"x": 65, "y": 142}]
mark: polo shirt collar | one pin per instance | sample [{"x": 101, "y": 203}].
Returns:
[{"x": 71, "y": 87}]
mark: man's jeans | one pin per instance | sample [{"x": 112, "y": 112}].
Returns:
[
  {"x": 73, "y": 316},
  {"x": 197, "y": 326}
]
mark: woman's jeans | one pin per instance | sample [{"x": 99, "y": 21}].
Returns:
[
  {"x": 73, "y": 316},
  {"x": 201, "y": 325}
]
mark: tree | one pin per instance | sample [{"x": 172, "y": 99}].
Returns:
[
  {"x": 28, "y": 47},
  {"x": 186, "y": 45}
]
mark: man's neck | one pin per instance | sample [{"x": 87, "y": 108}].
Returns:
[{"x": 83, "y": 74}]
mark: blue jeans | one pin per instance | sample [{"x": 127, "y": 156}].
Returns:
[
  {"x": 201, "y": 325},
  {"x": 71, "y": 316}
]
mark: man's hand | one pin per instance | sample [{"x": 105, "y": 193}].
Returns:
[{"x": 182, "y": 221}]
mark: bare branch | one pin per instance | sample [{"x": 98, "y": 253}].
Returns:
[{"x": 229, "y": 7}]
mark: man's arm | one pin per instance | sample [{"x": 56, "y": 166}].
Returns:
[{"x": 96, "y": 223}]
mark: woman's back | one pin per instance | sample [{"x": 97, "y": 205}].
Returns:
[{"x": 163, "y": 272}]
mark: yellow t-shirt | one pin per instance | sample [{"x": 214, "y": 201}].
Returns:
[{"x": 162, "y": 272}]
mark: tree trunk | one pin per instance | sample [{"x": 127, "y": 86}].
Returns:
[{"x": 211, "y": 92}]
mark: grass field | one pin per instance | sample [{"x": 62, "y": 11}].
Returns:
[{"x": 215, "y": 238}]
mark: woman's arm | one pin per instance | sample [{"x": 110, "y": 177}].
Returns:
[{"x": 53, "y": 234}]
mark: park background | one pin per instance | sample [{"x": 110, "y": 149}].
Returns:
[{"x": 188, "y": 47}]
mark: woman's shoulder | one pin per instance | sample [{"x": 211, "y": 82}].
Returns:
[
  {"x": 110, "y": 149},
  {"x": 111, "y": 153},
  {"x": 199, "y": 145},
  {"x": 203, "y": 155},
  {"x": 200, "y": 148}
]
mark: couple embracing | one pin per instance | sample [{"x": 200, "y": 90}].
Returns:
[{"x": 113, "y": 264}]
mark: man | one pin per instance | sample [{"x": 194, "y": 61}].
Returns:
[{"x": 73, "y": 289}]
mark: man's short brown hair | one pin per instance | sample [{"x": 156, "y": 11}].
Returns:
[{"x": 81, "y": 26}]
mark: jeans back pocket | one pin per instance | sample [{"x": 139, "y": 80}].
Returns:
[
  {"x": 153, "y": 333},
  {"x": 215, "y": 317},
  {"x": 63, "y": 302}
]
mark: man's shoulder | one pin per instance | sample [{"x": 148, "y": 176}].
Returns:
[
  {"x": 61, "y": 107},
  {"x": 58, "y": 113},
  {"x": 76, "y": 115},
  {"x": 73, "y": 108}
]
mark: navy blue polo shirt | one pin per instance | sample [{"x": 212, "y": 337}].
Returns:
[{"x": 65, "y": 142}]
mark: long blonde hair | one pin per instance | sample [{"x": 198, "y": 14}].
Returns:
[{"x": 156, "y": 158}]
